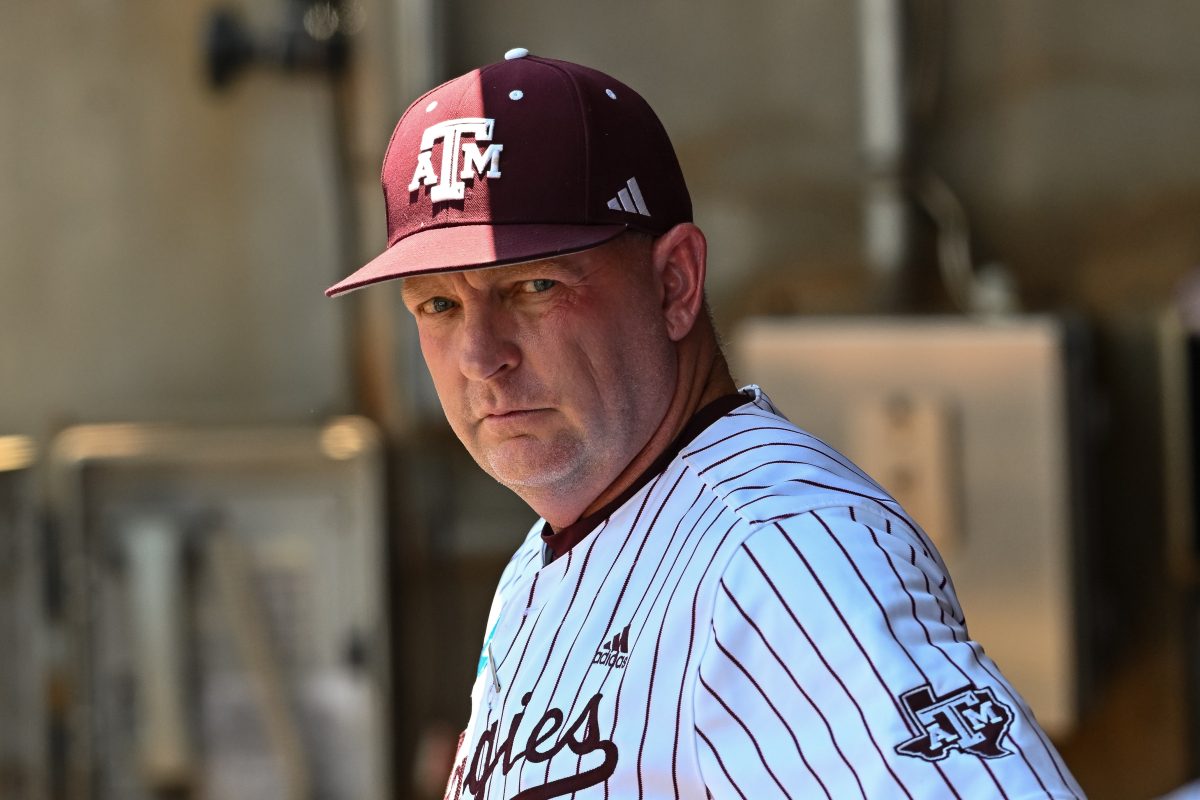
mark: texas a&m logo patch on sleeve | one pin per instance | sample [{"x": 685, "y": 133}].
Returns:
[{"x": 970, "y": 720}]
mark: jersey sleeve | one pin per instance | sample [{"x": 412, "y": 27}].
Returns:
[{"x": 838, "y": 665}]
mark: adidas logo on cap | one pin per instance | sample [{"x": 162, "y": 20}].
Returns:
[{"x": 630, "y": 199}]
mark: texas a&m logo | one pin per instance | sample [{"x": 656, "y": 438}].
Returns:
[
  {"x": 970, "y": 720},
  {"x": 462, "y": 160}
]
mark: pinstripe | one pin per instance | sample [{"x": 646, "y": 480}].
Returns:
[
  {"x": 504, "y": 703},
  {"x": 912, "y": 600},
  {"x": 487, "y": 723},
  {"x": 735, "y": 435},
  {"x": 953, "y": 663},
  {"x": 992, "y": 775},
  {"x": 888, "y": 622},
  {"x": 833, "y": 605},
  {"x": 929, "y": 639},
  {"x": 563, "y": 619},
  {"x": 629, "y": 535},
  {"x": 591, "y": 544},
  {"x": 749, "y": 733},
  {"x": 884, "y": 502},
  {"x": 650, "y": 584},
  {"x": 633, "y": 565},
  {"x": 515, "y": 574},
  {"x": 759, "y": 465},
  {"x": 783, "y": 665},
  {"x": 666, "y": 608},
  {"x": 554, "y": 641},
  {"x": 943, "y": 606},
  {"x": 816, "y": 649},
  {"x": 678, "y": 552},
  {"x": 666, "y": 577},
  {"x": 926, "y": 545},
  {"x": 925, "y": 549},
  {"x": 686, "y": 663},
  {"x": 827, "y": 453},
  {"x": 770, "y": 704},
  {"x": 721, "y": 763},
  {"x": 866, "y": 585},
  {"x": 528, "y": 604},
  {"x": 1020, "y": 709}
]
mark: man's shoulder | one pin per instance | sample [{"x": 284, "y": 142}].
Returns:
[{"x": 765, "y": 468}]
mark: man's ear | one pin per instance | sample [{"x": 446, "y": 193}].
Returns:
[{"x": 680, "y": 259}]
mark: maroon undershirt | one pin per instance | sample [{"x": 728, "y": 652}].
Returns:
[{"x": 559, "y": 542}]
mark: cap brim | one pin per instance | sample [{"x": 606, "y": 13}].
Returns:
[{"x": 472, "y": 247}]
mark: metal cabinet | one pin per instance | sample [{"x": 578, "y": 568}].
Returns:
[
  {"x": 23, "y": 731},
  {"x": 225, "y": 607}
]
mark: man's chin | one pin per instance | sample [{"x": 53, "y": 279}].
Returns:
[{"x": 526, "y": 463}]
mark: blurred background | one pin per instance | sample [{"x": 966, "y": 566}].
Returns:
[{"x": 241, "y": 555}]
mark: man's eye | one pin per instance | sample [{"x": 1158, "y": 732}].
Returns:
[
  {"x": 437, "y": 305},
  {"x": 538, "y": 285}
]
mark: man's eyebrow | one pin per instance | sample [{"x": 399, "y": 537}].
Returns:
[
  {"x": 542, "y": 267},
  {"x": 428, "y": 284}
]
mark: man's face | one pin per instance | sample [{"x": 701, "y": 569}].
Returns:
[{"x": 555, "y": 373}]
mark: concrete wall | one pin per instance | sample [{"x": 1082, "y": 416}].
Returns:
[
  {"x": 164, "y": 248},
  {"x": 1071, "y": 128}
]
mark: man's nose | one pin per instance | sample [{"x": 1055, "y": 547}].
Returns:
[{"x": 488, "y": 348}]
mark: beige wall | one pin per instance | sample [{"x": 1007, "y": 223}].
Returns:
[
  {"x": 1071, "y": 129},
  {"x": 164, "y": 248}
]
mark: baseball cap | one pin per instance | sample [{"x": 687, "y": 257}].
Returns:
[{"x": 520, "y": 160}]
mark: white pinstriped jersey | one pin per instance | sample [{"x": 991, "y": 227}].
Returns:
[{"x": 760, "y": 620}]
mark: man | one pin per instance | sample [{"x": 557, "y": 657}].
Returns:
[{"x": 714, "y": 603}]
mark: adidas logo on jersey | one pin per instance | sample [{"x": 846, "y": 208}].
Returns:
[{"x": 615, "y": 652}]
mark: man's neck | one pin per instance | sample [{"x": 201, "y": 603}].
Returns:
[{"x": 703, "y": 377}]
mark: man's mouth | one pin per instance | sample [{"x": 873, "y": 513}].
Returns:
[
  {"x": 511, "y": 418},
  {"x": 511, "y": 413}
]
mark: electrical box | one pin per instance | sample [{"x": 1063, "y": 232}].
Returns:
[
  {"x": 225, "y": 599},
  {"x": 969, "y": 425},
  {"x": 22, "y": 691}
]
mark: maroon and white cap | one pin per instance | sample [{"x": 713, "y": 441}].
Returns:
[{"x": 523, "y": 159}]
